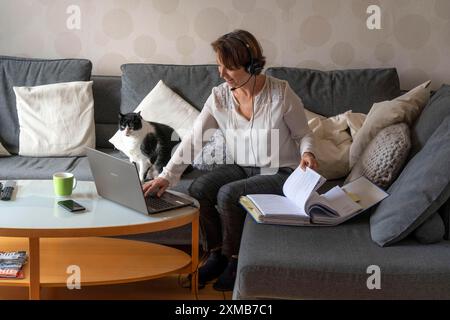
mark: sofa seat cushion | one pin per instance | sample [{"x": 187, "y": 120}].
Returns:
[
  {"x": 17, "y": 167},
  {"x": 331, "y": 263}
]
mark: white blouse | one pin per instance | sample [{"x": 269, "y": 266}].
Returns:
[{"x": 276, "y": 135}]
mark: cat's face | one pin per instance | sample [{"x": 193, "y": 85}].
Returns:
[{"x": 130, "y": 122}]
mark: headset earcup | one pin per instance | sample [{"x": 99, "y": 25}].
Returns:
[
  {"x": 251, "y": 69},
  {"x": 255, "y": 68}
]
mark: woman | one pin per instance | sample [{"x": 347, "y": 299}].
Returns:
[{"x": 247, "y": 106}]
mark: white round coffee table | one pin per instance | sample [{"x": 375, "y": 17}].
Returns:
[{"x": 57, "y": 240}]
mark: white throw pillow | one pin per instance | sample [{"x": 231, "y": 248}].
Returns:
[
  {"x": 56, "y": 119},
  {"x": 405, "y": 108},
  {"x": 3, "y": 151},
  {"x": 162, "y": 105}
]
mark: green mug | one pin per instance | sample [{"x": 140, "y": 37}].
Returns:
[{"x": 64, "y": 183}]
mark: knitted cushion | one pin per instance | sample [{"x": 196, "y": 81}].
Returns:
[{"x": 384, "y": 157}]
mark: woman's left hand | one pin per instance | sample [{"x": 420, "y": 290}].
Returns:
[{"x": 308, "y": 160}]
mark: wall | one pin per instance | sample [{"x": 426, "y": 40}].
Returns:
[{"x": 323, "y": 34}]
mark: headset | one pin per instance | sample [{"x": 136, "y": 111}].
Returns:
[{"x": 254, "y": 66}]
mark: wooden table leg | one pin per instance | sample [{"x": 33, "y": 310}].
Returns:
[
  {"x": 194, "y": 253},
  {"x": 34, "y": 261}
]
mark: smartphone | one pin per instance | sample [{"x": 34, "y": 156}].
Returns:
[{"x": 71, "y": 205}]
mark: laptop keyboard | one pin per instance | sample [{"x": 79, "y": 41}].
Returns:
[{"x": 157, "y": 203}]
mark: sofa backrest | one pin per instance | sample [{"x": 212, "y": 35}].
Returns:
[
  {"x": 192, "y": 82},
  {"x": 327, "y": 93},
  {"x": 333, "y": 92},
  {"x": 106, "y": 90}
]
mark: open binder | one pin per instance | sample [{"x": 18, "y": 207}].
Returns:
[{"x": 302, "y": 205}]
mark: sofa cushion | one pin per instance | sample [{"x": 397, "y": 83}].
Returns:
[
  {"x": 431, "y": 231},
  {"x": 163, "y": 106},
  {"x": 419, "y": 191},
  {"x": 332, "y": 262},
  {"x": 444, "y": 211},
  {"x": 106, "y": 90},
  {"x": 333, "y": 138},
  {"x": 405, "y": 108},
  {"x": 431, "y": 117},
  {"x": 31, "y": 72},
  {"x": 3, "y": 151},
  {"x": 333, "y": 92},
  {"x": 56, "y": 119},
  {"x": 192, "y": 82},
  {"x": 17, "y": 167},
  {"x": 384, "y": 157}
]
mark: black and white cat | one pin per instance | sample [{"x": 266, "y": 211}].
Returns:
[{"x": 148, "y": 144}]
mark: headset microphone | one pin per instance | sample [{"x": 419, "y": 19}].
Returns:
[{"x": 232, "y": 89}]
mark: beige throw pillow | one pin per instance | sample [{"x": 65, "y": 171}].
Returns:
[
  {"x": 3, "y": 151},
  {"x": 162, "y": 105},
  {"x": 56, "y": 119},
  {"x": 332, "y": 140},
  {"x": 405, "y": 108},
  {"x": 311, "y": 115}
]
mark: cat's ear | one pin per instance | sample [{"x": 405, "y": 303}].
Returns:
[
  {"x": 139, "y": 114},
  {"x": 121, "y": 115}
]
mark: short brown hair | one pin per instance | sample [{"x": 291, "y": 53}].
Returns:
[{"x": 233, "y": 52}]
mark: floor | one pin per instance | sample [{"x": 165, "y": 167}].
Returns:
[{"x": 168, "y": 288}]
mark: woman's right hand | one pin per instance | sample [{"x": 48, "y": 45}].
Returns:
[{"x": 158, "y": 185}]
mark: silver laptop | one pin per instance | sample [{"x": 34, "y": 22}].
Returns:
[{"x": 118, "y": 180}]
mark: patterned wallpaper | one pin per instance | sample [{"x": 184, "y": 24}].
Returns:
[{"x": 321, "y": 34}]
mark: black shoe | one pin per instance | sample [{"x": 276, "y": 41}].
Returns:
[
  {"x": 227, "y": 278},
  {"x": 212, "y": 268}
]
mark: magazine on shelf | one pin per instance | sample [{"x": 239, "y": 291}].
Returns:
[
  {"x": 11, "y": 264},
  {"x": 302, "y": 205}
]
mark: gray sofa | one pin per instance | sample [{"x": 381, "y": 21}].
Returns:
[{"x": 275, "y": 261}]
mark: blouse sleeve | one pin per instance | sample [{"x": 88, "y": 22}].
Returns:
[
  {"x": 191, "y": 145},
  {"x": 295, "y": 118}
]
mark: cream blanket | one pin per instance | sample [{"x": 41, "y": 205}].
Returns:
[{"x": 332, "y": 140}]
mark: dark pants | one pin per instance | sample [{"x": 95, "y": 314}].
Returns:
[{"x": 218, "y": 191}]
